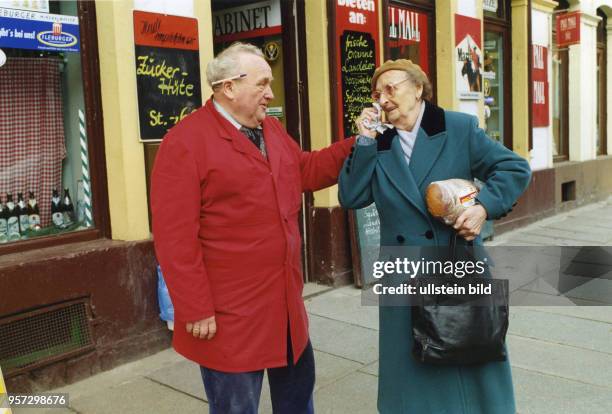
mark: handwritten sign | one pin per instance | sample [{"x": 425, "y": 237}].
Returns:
[
  {"x": 167, "y": 71},
  {"x": 356, "y": 58},
  {"x": 357, "y": 65}
]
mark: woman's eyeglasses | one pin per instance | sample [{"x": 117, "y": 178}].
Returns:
[{"x": 389, "y": 90}]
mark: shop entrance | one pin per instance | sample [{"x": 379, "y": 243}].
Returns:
[{"x": 277, "y": 27}]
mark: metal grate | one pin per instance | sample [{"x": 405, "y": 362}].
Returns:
[{"x": 44, "y": 335}]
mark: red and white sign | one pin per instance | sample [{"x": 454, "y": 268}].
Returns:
[
  {"x": 468, "y": 58},
  {"x": 539, "y": 76},
  {"x": 248, "y": 21},
  {"x": 407, "y": 35},
  {"x": 568, "y": 29},
  {"x": 356, "y": 50}
]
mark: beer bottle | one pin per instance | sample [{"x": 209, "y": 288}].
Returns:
[
  {"x": 12, "y": 220},
  {"x": 22, "y": 211},
  {"x": 33, "y": 213},
  {"x": 56, "y": 210},
  {"x": 67, "y": 208},
  {"x": 3, "y": 223}
]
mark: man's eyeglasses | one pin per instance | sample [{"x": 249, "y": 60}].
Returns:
[
  {"x": 389, "y": 90},
  {"x": 231, "y": 78}
]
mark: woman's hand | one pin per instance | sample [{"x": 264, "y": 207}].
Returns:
[
  {"x": 469, "y": 223},
  {"x": 368, "y": 116}
]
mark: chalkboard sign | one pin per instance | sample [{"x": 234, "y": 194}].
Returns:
[
  {"x": 357, "y": 65},
  {"x": 167, "y": 71},
  {"x": 365, "y": 243}
]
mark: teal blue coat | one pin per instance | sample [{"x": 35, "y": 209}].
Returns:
[{"x": 448, "y": 145}]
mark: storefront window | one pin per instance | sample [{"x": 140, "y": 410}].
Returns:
[
  {"x": 45, "y": 185},
  {"x": 560, "y": 94},
  {"x": 258, "y": 23},
  {"x": 496, "y": 71},
  {"x": 493, "y": 81}
]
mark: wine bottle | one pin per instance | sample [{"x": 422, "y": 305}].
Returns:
[
  {"x": 3, "y": 223},
  {"x": 33, "y": 213},
  {"x": 22, "y": 212},
  {"x": 67, "y": 208},
  {"x": 56, "y": 210},
  {"x": 12, "y": 219}
]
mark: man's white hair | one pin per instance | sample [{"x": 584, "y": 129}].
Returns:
[{"x": 227, "y": 63}]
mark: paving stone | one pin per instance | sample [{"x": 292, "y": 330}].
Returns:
[
  {"x": 538, "y": 393},
  {"x": 561, "y": 329},
  {"x": 183, "y": 376},
  {"x": 561, "y": 360},
  {"x": 140, "y": 396},
  {"x": 355, "y": 394},
  {"x": 344, "y": 340},
  {"x": 343, "y": 307},
  {"x": 313, "y": 289},
  {"x": 331, "y": 368},
  {"x": 592, "y": 313},
  {"x": 573, "y": 234},
  {"x": 371, "y": 369}
]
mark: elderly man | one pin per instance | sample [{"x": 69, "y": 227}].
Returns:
[{"x": 226, "y": 192}]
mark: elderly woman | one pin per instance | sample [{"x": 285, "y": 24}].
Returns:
[{"x": 393, "y": 170}]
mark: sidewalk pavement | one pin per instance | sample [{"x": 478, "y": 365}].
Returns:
[{"x": 561, "y": 355}]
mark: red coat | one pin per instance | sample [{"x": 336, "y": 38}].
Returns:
[{"x": 225, "y": 224}]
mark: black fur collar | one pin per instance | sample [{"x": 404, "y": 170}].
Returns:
[{"x": 433, "y": 123}]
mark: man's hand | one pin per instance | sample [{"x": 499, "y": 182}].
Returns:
[
  {"x": 204, "y": 329},
  {"x": 469, "y": 223},
  {"x": 369, "y": 115}
]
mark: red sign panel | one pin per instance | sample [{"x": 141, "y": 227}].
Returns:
[
  {"x": 539, "y": 75},
  {"x": 356, "y": 55},
  {"x": 407, "y": 36},
  {"x": 568, "y": 29},
  {"x": 162, "y": 30}
]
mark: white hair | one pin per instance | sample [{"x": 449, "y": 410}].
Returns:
[{"x": 227, "y": 63}]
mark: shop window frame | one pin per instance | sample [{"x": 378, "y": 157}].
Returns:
[
  {"x": 503, "y": 25},
  {"x": 563, "y": 88},
  {"x": 602, "y": 106},
  {"x": 95, "y": 141},
  {"x": 422, "y": 6}
]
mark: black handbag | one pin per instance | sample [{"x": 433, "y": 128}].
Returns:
[{"x": 450, "y": 330}]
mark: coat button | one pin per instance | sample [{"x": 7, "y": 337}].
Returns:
[
  {"x": 400, "y": 238},
  {"x": 429, "y": 234},
  {"x": 348, "y": 170},
  {"x": 350, "y": 155}
]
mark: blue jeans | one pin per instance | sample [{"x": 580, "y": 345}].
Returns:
[{"x": 291, "y": 387}]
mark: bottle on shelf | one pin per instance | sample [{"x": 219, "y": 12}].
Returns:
[
  {"x": 22, "y": 211},
  {"x": 12, "y": 219},
  {"x": 3, "y": 223},
  {"x": 56, "y": 210},
  {"x": 67, "y": 208},
  {"x": 33, "y": 213}
]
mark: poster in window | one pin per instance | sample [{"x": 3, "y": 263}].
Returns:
[
  {"x": 468, "y": 57},
  {"x": 568, "y": 29},
  {"x": 22, "y": 29},
  {"x": 540, "y": 99},
  {"x": 407, "y": 36},
  {"x": 167, "y": 71},
  {"x": 356, "y": 56}
]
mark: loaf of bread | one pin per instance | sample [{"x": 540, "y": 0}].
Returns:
[{"x": 447, "y": 199}]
